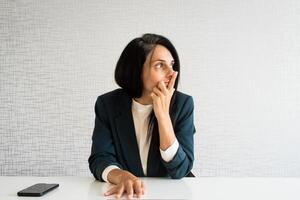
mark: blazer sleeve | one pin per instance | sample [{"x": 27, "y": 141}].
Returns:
[
  {"x": 184, "y": 129},
  {"x": 103, "y": 151}
]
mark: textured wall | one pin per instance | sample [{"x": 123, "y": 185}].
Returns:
[{"x": 240, "y": 62}]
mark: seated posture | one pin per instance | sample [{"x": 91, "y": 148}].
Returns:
[{"x": 145, "y": 128}]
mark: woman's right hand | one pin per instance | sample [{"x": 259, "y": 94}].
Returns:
[{"x": 125, "y": 182}]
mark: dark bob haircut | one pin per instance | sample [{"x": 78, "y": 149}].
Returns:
[{"x": 128, "y": 73}]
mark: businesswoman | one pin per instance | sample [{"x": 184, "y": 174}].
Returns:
[{"x": 146, "y": 127}]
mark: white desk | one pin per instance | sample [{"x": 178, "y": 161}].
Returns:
[{"x": 202, "y": 188}]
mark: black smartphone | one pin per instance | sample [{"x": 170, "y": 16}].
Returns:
[{"x": 38, "y": 189}]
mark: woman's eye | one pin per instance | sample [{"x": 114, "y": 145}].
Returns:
[{"x": 159, "y": 65}]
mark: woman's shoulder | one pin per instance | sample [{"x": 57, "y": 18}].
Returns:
[
  {"x": 182, "y": 97},
  {"x": 183, "y": 100},
  {"x": 111, "y": 94},
  {"x": 114, "y": 97}
]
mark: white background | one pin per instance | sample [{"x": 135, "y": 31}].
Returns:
[{"x": 240, "y": 62}]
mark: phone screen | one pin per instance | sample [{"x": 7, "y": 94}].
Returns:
[{"x": 38, "y": 189}]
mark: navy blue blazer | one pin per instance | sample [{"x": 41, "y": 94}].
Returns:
[{"x": 114, "y": 139}]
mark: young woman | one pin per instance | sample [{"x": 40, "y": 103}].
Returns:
[{"x": 145, "y": 128}]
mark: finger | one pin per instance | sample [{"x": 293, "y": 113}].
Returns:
[
  {"x": 143, "y": 187},
  {"x": 154, "y": 96},
  {"x": 110, "y": 191},
  {"x": 129, "y": 189},
  {"x": 163, "y": 88},
  {"x": 172, "y": 81},
  {"x": 155, "y": 99},
  {"x": 120, "y": 191},
  {"x": 138, "y": 188},
  {"x": 158, "y": 92}
]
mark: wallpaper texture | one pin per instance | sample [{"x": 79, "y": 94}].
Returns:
[{"x": 240, "y": 62}]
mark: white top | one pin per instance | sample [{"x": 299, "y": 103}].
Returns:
[{"x": 141, "y": 116}]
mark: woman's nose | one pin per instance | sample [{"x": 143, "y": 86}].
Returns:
[{"x": 170, "y": 71}]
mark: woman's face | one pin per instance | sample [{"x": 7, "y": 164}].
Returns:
[{"x": 157, "y": 67}]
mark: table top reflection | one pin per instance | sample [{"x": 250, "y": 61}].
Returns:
[{"x": 206, "y": 188}]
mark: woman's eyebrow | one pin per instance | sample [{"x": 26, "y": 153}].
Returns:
[{"x": 172, "y": 61}]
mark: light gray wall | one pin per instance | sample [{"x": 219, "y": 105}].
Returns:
[{"x": 240, "y": 62}]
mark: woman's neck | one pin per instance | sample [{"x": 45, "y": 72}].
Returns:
[{"x": 144, "y": 99}]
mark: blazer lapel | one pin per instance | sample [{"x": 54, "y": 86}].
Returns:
[{"x": 127, "y": 135}]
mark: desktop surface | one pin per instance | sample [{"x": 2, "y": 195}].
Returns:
[{"x": 200, "y": 188}]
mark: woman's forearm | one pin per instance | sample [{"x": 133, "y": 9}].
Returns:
[{"x": 166, "y": 132}]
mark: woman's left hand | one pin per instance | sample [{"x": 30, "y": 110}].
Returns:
[{"x": 161, "y": 96}]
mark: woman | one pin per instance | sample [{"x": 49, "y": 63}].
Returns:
[{"x": 145, "y": 128}]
